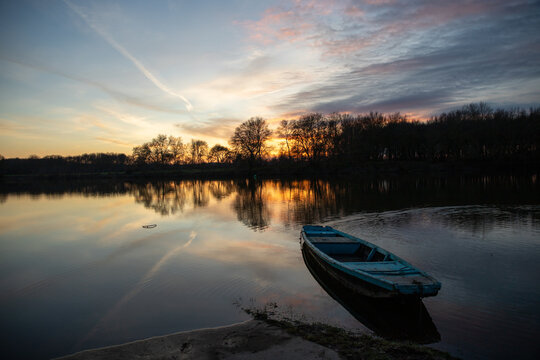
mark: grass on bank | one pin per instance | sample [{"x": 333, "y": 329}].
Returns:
[{"x": 346, "y": 343}]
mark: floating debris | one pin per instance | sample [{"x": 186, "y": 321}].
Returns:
[{"x": 150, "y": 226}]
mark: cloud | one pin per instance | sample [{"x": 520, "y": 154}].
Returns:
[
  {"x": 252, "y": 77},
  {"x": 126, "y": 118},
  {"x": 343, "y": 28},
  {"x": 354, "y": 12},
  {"x": 127, "y": 54},
  {"x": 97, "y": 123},
  {"x": 220, "y": 128},
  {"x": 115, "y": 94},
  {"x": 17, "y": 130},
  {"x": 347, "y": 27},
  {"x": 424, "y": 56},
  {"x": 114, "y": 141},
  {"x": 295, "y": 22},
  {"x": 408, "y": 102}
]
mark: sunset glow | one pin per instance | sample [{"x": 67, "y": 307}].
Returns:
[{"x": 104, "y": 76}]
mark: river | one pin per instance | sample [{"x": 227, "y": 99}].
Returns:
[{"x": 79, "y": 270}]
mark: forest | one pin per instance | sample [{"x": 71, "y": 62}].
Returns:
[{"x": 474, "y": 133}]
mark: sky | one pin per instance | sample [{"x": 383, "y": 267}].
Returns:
[{"x": 104, "y": 76}]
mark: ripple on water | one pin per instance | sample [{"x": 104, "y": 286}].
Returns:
[{"x": 487, "y": 260}]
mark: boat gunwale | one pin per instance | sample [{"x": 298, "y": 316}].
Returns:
[
  {"x": 375, "y": 279},
  {"x": 384, "y": 251}
]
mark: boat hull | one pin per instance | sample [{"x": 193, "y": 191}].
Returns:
[
  {"x": 350, "y": 282},
  {"x": 365, "y": 268},
  {"x": 393, "y": 318}
]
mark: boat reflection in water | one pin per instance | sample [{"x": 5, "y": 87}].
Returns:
[{"x": 390, "y": 318}]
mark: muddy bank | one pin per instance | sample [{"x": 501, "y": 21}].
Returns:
[
  {"x": 253, "y": 339},
  {"x": 262, "y": 339}
]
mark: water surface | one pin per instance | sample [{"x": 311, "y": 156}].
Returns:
[{"x": 78, "y": 270}]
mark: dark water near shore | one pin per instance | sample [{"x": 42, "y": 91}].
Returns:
[{"x": 77, "y": 269}]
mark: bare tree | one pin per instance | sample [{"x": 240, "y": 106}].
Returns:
[
  {"x": 219, "y": 153},
  {"x": 249, "y": 139},
  {"x": 198, "y": 151},
  {"x": 141, "y": 154},
  {"x": 160, "y": 150},
  {"x": 308, "y": 134},
  {"x": 159, "y": 147},
  {"x": 176, "y": 149},
  {"x": 284, "y": 131}
]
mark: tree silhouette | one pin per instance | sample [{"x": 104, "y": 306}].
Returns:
[
  {"x": 249, "y": 140},
  {"x": 198, "y": 150},
  {"x": 219, "y": 154},
  {"x": 176, "y": 150},
  {"x": 161, "y": 150},
  {"x": 473, "y": 134},
  {"x": 284, "y": 131}
]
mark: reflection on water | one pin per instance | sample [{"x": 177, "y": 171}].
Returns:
[
  {"x": 394, "y": 319},
  {"x": 250, "y": 205},
  {"x": 308, "y": 201},
  {"x": 77, "y": 270},
  {"x": 170, "y": 197}
]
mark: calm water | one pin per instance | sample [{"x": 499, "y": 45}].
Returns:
[{"x": 78, "y": 270}]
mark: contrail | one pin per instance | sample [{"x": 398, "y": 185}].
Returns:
[
  {"x": 111, "y": 92},
  {"x": 147, "y": 278},
  {"x": 126, "y": 54}
]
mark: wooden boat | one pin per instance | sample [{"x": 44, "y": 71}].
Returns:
[
  {"x": 403, "y": 318},
  {"x": 364, "y": 267}
]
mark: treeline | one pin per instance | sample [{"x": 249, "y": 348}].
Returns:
[
  {"x": 161, "y": 153},
  {"x": 170, "y": 150},
  {"x": 56, "y": 164},
  {"x": 474, "y": 133}
]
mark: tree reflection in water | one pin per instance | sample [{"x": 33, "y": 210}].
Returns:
[
  {"x": 301, "y": 201},
  {"x": 251, "y": 206},
  {"x": 171, "y": 197},
  {"x": 165, "y": 198}
]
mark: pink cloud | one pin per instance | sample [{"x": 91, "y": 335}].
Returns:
[
  {"x": 274, "y": 25},
  {"x": 435, "y": 13},
  {"x": 431, "y": 15},
  {"x": 340, "y": 47},
  {"x": 291, "y": 24},
  {"x": 317, "y": 22},
  {"x": 353, "y": 11},
  {"x": 379, "y": 2}
]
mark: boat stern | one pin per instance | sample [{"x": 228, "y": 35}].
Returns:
[{"x": 420, "y": 289}]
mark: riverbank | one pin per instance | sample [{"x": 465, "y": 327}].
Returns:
[
  {"x": 263, "y": 339},
  {"x": 10, "y": 172}
]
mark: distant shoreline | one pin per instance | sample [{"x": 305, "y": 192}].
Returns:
[{"x": 323, "y": 170}]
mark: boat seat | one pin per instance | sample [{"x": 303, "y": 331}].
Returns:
[
  {"x": 311, "y": 230},
  {"x": 332, "y": 239},
  {"x": 376, "y": 255},
  {"x": 389, "y": 267},
  {"x": 320, "y": 233},
  {"x": 347, "y": 258},
  {"x": 371, "y": 254}
]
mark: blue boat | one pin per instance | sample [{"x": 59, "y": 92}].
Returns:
[
  {"x": 403, "y": 318},
  {"x": 364, "y": 267}
]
